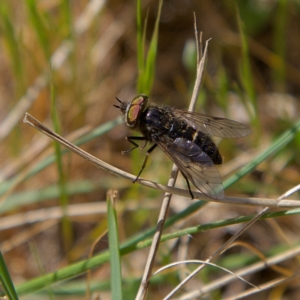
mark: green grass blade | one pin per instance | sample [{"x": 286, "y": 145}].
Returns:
[
  {"x": 114, "y": 248},
  {"x": 63, "y": 198},
  {"x": 17, "y": 200},
  {"x": 152, "y": 53},
  {"x": 140, "y": 44},
  {"x": 39, "y": 27},
  {"x": 147, "y": 70},
  {"x": 245, "y": 70},
  {"x": 66, "y": 18},
  {"x": 280, "y": 33},
  {"x": 85, "y": 265},
  {"x": 6, "y": 281},
  {"x": 12, "y": 44}
]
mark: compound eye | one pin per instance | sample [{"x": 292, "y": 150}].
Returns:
[
  {"x": 134, "y": 110},
  {"x": 132, "y": 114}
]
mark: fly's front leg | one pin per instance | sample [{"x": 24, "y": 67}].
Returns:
[
  {"x": 131, "y": 140},
  {"x": 145, "y": 161}
]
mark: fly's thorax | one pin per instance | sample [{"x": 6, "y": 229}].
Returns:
[
  {"x": 134, "y": 109},
  {"x": 155, "y": 121}
]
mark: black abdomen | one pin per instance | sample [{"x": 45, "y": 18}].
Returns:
[
  {"x": 159, "y": 123},
  {"x": 209, "y": 147}
]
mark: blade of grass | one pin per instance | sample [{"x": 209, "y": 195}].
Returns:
[
  {"x": 24, "y": 198},
  {"x": 11, "y": 41},
  {"x": 85, "y": 265},
  {"x": 280, "y": 33},
  {"x": 63, "y": 198},
  {"x": 147, "y": 68},
  {"x": 12, "y": 44},
  {"x": 245, "y": 72},
  {"x": 38, "y": 261},
  {"x": 114, "y": 248},
  {"x": 78, "y": 287},
  {"x": 65, "y": 13},
  {"x": 140, "y": 43},
  {"x": 39, "y": 27},
  {"x": 152, "y": 53},
  {"x": 6, "y": 281}
]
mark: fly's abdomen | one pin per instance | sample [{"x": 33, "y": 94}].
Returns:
[
  {"x": 183, "y": 130},
  {"x": 208, "y": 146}
]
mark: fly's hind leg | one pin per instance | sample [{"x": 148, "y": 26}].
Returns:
[
  {"x": 145, "y": 161},
  {"x": 188, "y": 184},
  {"x": 131, "y": 140}
]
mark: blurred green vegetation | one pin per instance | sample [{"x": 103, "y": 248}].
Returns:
[{"x": 89, "y": 55}]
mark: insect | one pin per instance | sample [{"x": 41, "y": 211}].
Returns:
[{"x": 185, "y": 137}]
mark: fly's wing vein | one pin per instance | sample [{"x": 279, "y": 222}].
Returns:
[
  {"x": 196, "y": 165},
  {"x": 220, "y": 127}
]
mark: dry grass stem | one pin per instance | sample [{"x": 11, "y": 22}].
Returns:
[
  {"x": 269, "y": 285},
  {"x": 220, "y": 250},
  {"x": 272, "y": 203},
  {"x": 202, "y": 262},
  {"x": 25, "y": 235},
  {"x": 254, "y": 268},
  {"x": 40, "y": 215},
  {"x": 167, "y": 199}
]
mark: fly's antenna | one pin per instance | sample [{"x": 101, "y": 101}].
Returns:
[
  {"x": 118, "y": 101},
  {"x": 122, "y": 105}
]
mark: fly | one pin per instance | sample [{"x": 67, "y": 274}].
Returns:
[{"x": 185, "y": 137}]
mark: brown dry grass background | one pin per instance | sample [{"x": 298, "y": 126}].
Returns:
[{"x": 103, "y": 65}]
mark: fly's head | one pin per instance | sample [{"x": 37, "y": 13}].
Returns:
[{"x": 133, "y": 109}]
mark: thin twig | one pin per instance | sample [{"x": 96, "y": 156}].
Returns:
[
  {"x": 198, "y": 44},
  {"x": 282, "y": 204},
  {"x": 197, "y": 261},
  {"x": 223, "y": 248},
  {"x": 215, "y": 254},
  {"x": 263, "y": 287},
  {"x": 167, "y": 199},
  {"x": 246, "y": 271}
]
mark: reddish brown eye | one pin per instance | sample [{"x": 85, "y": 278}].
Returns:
[
  {"x": 134, "y": 110},
  {"x": 133, "y": 114},
  {"x": 138, "y": 101}
]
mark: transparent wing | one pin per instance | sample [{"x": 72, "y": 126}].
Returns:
[
  {"x": 196, "y": 165},
  {"x": 215, "y": 126}
]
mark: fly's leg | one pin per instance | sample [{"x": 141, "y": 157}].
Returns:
[
  {"x": 144, "y": 145},
  {"x": 145, "y": 161},
  {"x": 188, "y": 184},
  {"x": 131, "y": 140}
]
